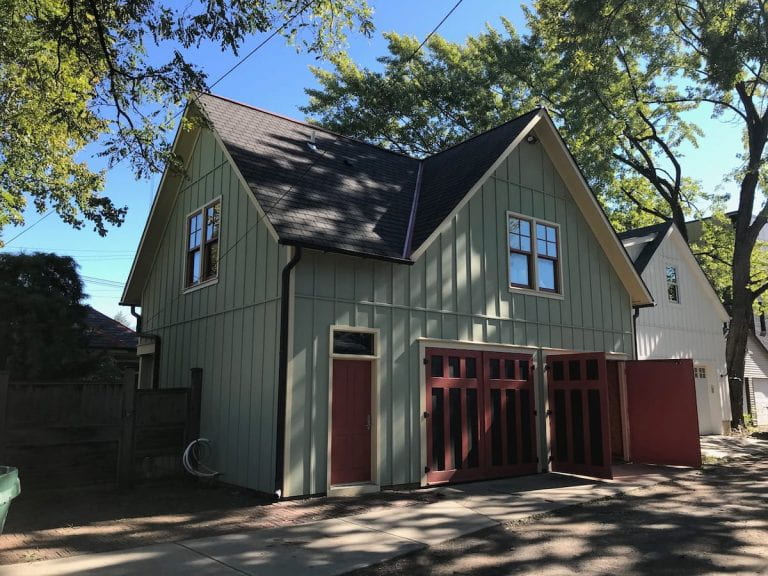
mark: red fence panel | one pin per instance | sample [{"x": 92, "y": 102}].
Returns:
[{"x": 663, "y": 420}]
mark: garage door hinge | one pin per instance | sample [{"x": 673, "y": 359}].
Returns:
[
  {"x": 427, "y": 469},
  {"x": 425, "y": 361},
  {"x": 426, "y": 415}
]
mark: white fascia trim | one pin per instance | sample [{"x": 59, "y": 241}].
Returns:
[
  {"x": 585, "y": 192},
  {"x": 262, "y": 215},
  {"x": 416, "y": 254}
]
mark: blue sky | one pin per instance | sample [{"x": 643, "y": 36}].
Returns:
[{"x": 274, "y": 78}]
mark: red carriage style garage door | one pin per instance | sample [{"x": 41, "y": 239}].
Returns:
[
  {"x": 578, "y": 414},
  {"x": 480, "y": 415}
]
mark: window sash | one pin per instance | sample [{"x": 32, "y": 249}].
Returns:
[
  {"x": 673, "y": 284},
  {"x": 203, "y": 231},
  {"x": 544, "y": 242}
]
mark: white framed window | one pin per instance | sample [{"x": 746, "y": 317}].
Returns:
[
  {"x": 700, "y": 372},
  {"x": 202, "y": 250},
  {"x": 673, "y": 284},
  {"x": 534, "y": 254}
]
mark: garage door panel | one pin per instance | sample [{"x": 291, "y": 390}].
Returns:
[
  {"x": 760, "y": 387},
  {"x": 579, "y": 414},
  {"x": 480, "y": 415},
  {"x": 509, "y": 413}
]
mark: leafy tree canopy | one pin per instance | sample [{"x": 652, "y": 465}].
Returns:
[
  {"x": 420, "y": 104},
  {"x": 42, "y": 335},
  {"x": 84, "y": 72}
]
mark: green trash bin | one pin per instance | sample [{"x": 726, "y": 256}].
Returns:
[{"x": 10, "y": 487}]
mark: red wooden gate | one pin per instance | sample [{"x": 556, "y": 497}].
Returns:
[
  {"x": 663, "y": 420},
  {"x": 480, "y": 408},
  {"x": 579, "y": 414}
]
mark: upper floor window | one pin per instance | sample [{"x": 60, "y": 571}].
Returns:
[
  {"x": 203, "y": 244},
  {"x": 673, "y": 285},
  {"x": 534, "y": 254}
]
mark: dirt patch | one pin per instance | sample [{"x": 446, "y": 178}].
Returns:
[
  {"x": 712, "y": 522},
  {"x": 46, "y": 524}
]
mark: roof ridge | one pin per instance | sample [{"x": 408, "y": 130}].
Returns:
[{"x": 308, "y": 125}]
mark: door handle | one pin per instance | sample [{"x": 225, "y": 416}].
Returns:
[{"x": 368, "y": 423}]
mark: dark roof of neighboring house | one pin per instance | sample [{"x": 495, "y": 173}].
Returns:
[
  {"x": 104, "y": 332},
  {"x": 656, "y": 232},
  {"x": 344, "y": 195}
]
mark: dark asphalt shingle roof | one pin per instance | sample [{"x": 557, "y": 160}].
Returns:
[
  {"x": 449, "y": 175},
  {"x": 104, "y": 332},
  {"x": 656, "y": 232},
  {"x": 346, "y": 195}
]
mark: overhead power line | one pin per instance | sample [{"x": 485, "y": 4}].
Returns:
[{"x": 28, "y": 228}]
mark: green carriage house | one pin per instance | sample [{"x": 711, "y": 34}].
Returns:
[{"x": 366, "y": 319}]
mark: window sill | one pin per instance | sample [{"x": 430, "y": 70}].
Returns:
[
  {"x": 529, "y": 292},
  {"x": 205, "y": 284}
]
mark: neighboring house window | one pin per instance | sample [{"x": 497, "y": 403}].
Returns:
[
  {"x": 203, "y": 244},
  {"x": 673, "y": 286},
  {"x": 534, "y": 259}
]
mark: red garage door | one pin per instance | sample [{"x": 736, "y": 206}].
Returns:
[
  {"x": 480, "y": 410},
  {"x": 579, "y": 414}
]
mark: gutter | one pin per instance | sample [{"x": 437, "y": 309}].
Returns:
[
  {"x": 156, "y": 339},
  {"x": 282, "y": 376}
]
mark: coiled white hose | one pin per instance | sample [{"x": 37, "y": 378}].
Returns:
[{"x": 197, "y": 453}]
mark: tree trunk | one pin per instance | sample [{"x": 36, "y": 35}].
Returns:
[
  {"x": 678, "y": 217},
  {"x": 741, "y": 312}
]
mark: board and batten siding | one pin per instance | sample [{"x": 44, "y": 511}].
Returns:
[
  {"x": 691, "y": 329},
  {"x": 457, "y": 290},
  {"x": 230, "y": 329}
]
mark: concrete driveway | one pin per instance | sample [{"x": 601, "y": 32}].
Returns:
[{"x": 341, "y": 545}]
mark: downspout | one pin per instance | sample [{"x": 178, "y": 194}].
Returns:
[
  {"x": 282, "y": 375},
  {"x": 634, "y": 328},
  {"x": 634, "y": 323},
  {"x": 156, "y": 339}
]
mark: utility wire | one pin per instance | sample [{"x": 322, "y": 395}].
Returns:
[
  {"x": 28, "y": 228},
  {"x": 435, "y": 29}
]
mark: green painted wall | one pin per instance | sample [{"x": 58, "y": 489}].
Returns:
[
  {"x": 456, "y": 291},
  {"x": 229, "y": 329}
]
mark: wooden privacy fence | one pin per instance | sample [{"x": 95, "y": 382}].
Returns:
[{"x": 79, "y": 433}]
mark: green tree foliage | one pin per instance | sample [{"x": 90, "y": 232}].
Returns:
[
  {"x": 712, "y": 242},
  {"x": 671, "y": 56},
  {"x": 111, "y": 74},
  {"x": 421, "y": 103},
  {"x": 42, "y": 335}
]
